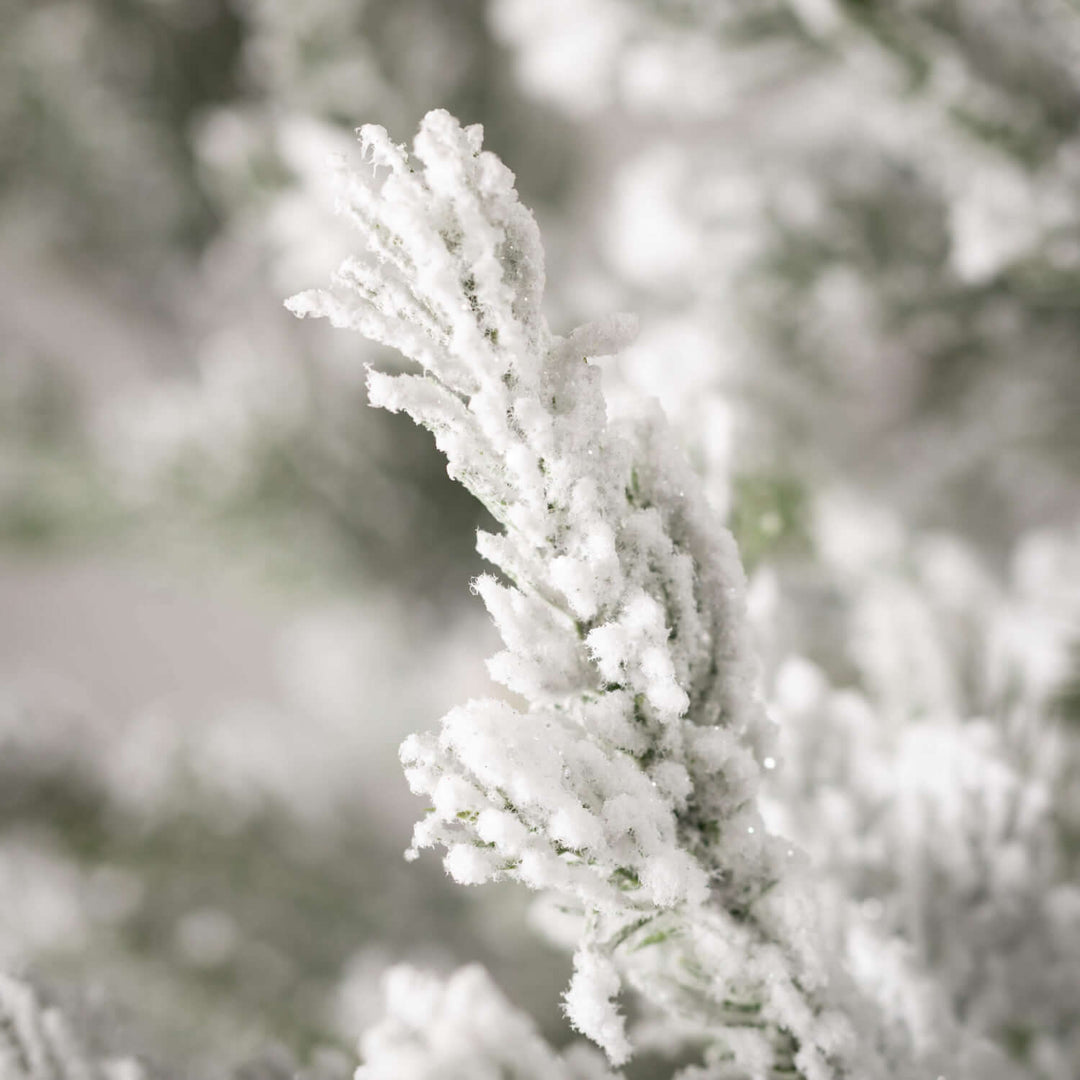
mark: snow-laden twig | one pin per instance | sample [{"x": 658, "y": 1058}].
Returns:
[{"x": 626, "y": 781}]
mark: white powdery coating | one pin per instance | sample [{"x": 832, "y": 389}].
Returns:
[
  {"x": 460, "y": 1029},
  {"x": 591, "y": 1002},
  {"x": 629, "y": 782}
]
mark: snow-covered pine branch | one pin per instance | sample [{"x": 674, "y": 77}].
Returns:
[{"x": 627, "y": 782}]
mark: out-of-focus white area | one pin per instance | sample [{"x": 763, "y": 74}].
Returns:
[
  {"x": 228, "y": 588},
  {"x": 124, "y": 641}
]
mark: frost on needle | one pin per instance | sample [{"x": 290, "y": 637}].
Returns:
[{"x": 626, "y": 782}]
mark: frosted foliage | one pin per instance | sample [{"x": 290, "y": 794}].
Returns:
[
  {"x": 36, "y": 1043},
  {"x": 941, "y": 806},
  {"x": 587, "y": 55},
  {"x": 626, "y": 781},
  {"x": 462, "y": 1029},
  {"x": 787, "y": 127}
]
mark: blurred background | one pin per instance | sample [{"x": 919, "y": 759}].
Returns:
[{"x": 228, "y": 588}]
